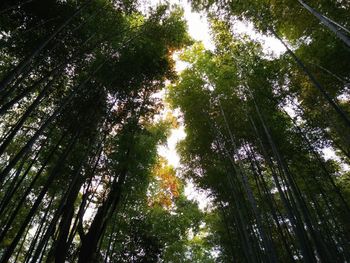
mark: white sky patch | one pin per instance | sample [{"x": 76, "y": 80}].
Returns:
[
  {"x": 271, "y": 45},
  {"x": 198, "y": 26},
  {"x": 169, "y": 151},
  {"x": 200, "y": 196},
  {"x": 180, "y": 65},
  {"x": 330, "y": 154}
]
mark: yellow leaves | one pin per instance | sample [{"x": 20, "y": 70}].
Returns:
[
  {"x": 166, "y": 187},
  {"x": 163, "y": 200},
  {"x": 191, "y": 54},
  {"x": 172, "y": 120}
]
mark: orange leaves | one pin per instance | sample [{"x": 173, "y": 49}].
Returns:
[{"x": 166, "y": 185}]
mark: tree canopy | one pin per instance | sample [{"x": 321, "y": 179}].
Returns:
[{"x": 82, "y": 120}]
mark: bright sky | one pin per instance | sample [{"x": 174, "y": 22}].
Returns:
[{"x": 198, "y": 28}]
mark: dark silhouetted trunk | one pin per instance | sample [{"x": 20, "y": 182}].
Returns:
[
  {"x": 315, "y": 82},
  {"x": 91, "y": 239},
  {"x": 24, "y": 63},
  {"x": 8, "y": 252},
  {"x": 331, "y": 25}
]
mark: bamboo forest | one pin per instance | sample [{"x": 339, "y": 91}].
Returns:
[{"x": 126, "y": 137}]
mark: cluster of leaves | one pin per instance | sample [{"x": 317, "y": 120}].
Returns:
[{"x": 80, "y": 178}]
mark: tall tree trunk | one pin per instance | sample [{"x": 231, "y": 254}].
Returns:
[
  {"x": 22, "y": 243},
  {"x": 240, "y": 221},
  {"x": 27, "y": 192},
  {"x": 268, "y": 246},
  {"x": 270, "y": 201},
  {"x": 24, "y": 117},
  {"x": 42, "y": 225},
  {"x": 238, "y": 203},
  {"x": 82, "y": 208},
  {"x": 91, "y": 239},
  {"x": 227, "y": 226},
  {"x": 49, "y": 76},
  {"x": 14, "y": 182},
  {"x": 14, "y": 187},
  {"x": 61, "y": 246},
  {"x": 8, "y": 252},
  {"x": 46, "y": 123},
  {"x": 300, "y": 202},
  {"x": 298, "y": 227},
  {"x": 24, "y": 63},
  {"x": 314, "y": 81},
  {"x": 334, "y": 27}
]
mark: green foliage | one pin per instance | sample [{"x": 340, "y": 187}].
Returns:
[
  {"x": 80, "y": 176},
  {"x": 242, "y": 145}
]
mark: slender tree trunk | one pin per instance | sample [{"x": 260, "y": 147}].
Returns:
[
  {"x": 227, "y": 226},
  {"x": 51, "y": 74},
  {"x": 315, "y": 82},
  {"x": 8, "y": 252},
  {"x": 91, "y": 239},
  {"x": 66, "y": 212},
  {"x": 13, "y": 184},
  {"x": 340, "y": 79},
  {"x": 240, "y": 223},
  {"x": 306, "y": 251},
  {"x": 112, "y": 240},
  {"x": 42, "y": 224},
  {"x": 14, "y": 187},
  {"x": 22, "y": 243},
  {"x": 270, "y": 201},
  {"x": 35, "y": 103},
  {"x": 300, "y": 202},
  {"x": 324, "y": 168},
  {"x": 334, "y": 27},
  {"x": 24, "y": 63},
  {"x": 238, "y": 201},
  {"x": 47, "y": 122},
  {"x": 26, "y": 91},
  {"x": 24, "y": 117},
  {"x": 61, "y": 246},
  {"x": 27, "y": 192},
  {"x": 81, "y": 210},
  {"x": 268, "y": 246}
]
